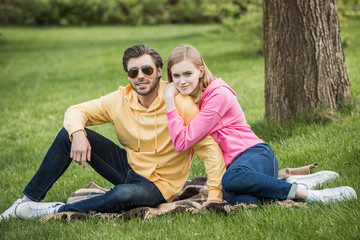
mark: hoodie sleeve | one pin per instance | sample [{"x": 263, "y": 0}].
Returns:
[
  {"x": 184, "y": 135},
  {"x": 211, "y": 154},
  {"x": 208, "y": 151},
  {"x": 85, "y": 114}
]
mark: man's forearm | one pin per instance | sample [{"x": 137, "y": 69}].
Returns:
[{"x": 211, "y": 154}]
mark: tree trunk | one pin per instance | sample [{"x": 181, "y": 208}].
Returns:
[{"x": 304, "y": 59}]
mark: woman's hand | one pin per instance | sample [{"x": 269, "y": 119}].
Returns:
[
  {"x": 169, "y": 94},
  {"x": 170, "y": 91}
]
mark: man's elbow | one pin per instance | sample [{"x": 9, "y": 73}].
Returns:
[{"x": 180, "y": 147}]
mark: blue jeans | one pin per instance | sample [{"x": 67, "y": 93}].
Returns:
[
  {"x": 130, "y": 191},
  {"x": 252, "y": 178}
]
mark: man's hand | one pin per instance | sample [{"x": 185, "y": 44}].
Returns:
[{"x": 80, "y": 148}]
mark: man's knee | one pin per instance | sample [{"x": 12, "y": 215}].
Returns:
[
  {"x": 62, "y": 135},
  {"x": 123, "y": 193}
]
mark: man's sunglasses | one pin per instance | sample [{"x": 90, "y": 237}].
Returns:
[{"x": 133, "y": 72}]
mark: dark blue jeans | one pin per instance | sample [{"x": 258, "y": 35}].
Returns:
[
  {"x": 130, "y": 191},
  {"x": 252, "y": 178}
]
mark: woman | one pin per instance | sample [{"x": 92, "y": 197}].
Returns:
[{"x": 252, "y": 167}]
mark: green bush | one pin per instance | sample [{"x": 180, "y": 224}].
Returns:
[
  {"x": 348, "y": 7},
  {"x": 97, "y": 12},
  {"x": 197, "y": 11},
  {"x": 79, "y": 12},
  {"x": 154, "y": 11},
  {"x": 235, "y": 14},
  {"x": 246, "y": 14},
  {"x": 10, "y": 14},
  {"x": 37, "y": 12}
]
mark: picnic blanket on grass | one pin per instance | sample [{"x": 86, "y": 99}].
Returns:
[{"x": 193, "y": 194}]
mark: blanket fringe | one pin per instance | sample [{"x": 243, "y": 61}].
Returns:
[{"x": 193, "y": 194}]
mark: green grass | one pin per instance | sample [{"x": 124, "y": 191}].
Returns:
[{"x": 45, "y": 70}]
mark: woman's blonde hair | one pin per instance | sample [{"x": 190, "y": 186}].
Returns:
[{"x": 190, "y": 53}]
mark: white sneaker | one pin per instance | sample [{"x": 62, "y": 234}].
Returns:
[
  {"x": 30, "y": 210},
  {"x": 332, "y": 194},
  {"x": 312, "y": 181},
  {"x": 10, "y": 212}
]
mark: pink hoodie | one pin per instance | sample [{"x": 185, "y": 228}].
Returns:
[{"x": 221, "y": 116}]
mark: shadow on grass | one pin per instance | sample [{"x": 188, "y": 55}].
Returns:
[{"x": 275, "y": 131}]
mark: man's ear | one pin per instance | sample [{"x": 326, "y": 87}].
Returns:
[{"x": 159, "y": 71}]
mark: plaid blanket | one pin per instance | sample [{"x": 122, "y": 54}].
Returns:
[{"x": 193, "y": 194}]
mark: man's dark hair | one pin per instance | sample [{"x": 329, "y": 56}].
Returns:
[{"x": 139, "y": 50}]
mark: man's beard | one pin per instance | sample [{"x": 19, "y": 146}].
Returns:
[{"x": 153, "y": 85}]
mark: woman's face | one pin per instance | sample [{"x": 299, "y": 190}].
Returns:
[{"x": 186, "y": 77}]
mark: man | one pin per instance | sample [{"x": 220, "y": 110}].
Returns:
[{"x": 148, "y": 171}]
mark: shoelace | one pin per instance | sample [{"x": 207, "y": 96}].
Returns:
[{"x": 40, "y": 211}]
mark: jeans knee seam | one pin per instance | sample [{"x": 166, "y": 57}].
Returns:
[{"x": 112, "y": 167}]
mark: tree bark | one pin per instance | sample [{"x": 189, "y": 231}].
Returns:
[{"x": 304, "y": 59}]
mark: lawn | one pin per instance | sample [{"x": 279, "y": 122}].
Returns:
[{"x": 45, "y": 70}]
